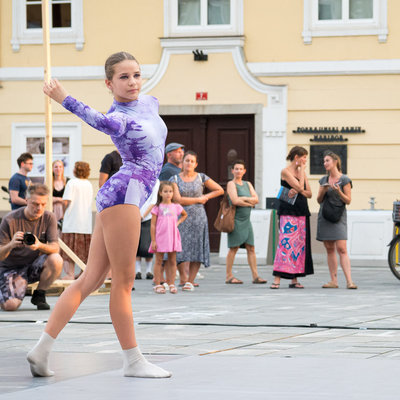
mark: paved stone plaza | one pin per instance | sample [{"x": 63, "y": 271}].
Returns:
[{"x": 223, "y": 342}]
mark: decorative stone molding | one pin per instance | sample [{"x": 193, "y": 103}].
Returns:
[
  {"x": 321, "y": 68},
  {"x": 274, "y": 133}
]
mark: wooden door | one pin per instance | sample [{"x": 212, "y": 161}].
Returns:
[{"x": 218, "y": 140}]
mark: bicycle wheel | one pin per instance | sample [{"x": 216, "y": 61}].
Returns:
[{"x": 394, "y": 257}]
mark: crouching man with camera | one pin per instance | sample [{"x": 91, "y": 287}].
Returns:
[{"x": 28, "y": 251}]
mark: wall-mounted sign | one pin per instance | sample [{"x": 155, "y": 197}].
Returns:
[
  {"x": 329, "y": 130},
  {"x": 328, "y": 138},
  {"x": 201, "y": 95}
]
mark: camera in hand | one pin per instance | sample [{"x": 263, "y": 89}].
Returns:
[{"x": 29, "y": 238}]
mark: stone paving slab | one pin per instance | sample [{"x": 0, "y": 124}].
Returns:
[
  {"x": 223, "y": 341},
  {"x": 239, "y": 377}
]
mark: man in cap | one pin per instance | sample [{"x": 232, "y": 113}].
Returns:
[{"x": 174, "y": 152}]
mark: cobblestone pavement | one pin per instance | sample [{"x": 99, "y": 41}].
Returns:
[{"x": 223, "y": 341}]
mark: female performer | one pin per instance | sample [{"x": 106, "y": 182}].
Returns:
[{"x": 139, "y": 134}]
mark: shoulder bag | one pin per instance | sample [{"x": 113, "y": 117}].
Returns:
[
  {"x": 332, "y": 212},
  {"x": 225, "y": 221}
]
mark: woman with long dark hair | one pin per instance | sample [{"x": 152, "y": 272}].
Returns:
[{"x": 293, "y": 257}]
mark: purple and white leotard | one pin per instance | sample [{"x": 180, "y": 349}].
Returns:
[{"x": 139, "y": 134}]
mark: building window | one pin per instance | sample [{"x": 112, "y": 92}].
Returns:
[
  {"x": 203, "y": 17},
  {"x": 60, "y": 14},
  {"x": 345, "y": 18},
  {"x": 65, "y": 17},
  {"x": 31, "y": 138}
]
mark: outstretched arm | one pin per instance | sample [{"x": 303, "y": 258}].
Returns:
[{"x": 109, "y": 124}]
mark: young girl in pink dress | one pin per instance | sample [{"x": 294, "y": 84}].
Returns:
[{"x": 165, "y": 236}]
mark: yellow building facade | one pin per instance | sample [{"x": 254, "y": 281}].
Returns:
[{"x": 287, "y": 66}]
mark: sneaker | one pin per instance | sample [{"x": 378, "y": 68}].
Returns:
[
  {"x": 39, "y": 300},
  {"x": 138, "y": 275},
  {"x": 149, "y": 275}
]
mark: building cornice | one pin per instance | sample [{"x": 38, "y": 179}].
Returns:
[
  {"x": 250, "y": 70},
  {"x": 80, "y": 73},
  {"x": 320, "y": 68}
]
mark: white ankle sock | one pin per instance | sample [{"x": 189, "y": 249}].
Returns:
[
  {"x": 138, "y": 266},
  {"x": 38, "y": 357},
  {"x": 149, "y": 264},
  {"x": 136, "y": 365}
]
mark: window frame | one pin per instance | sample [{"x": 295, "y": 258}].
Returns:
[
  {"x": 172, "y": 29},
  {"x": 23, "y": 130},
  {"x": 375, "y": 26},
  {"x": 22, "y": 35}
]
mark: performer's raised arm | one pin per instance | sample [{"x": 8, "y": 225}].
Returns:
[{"x": 110, "y": 124}]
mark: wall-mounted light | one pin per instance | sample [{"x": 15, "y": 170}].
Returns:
[{"x": 199, "y": 55}]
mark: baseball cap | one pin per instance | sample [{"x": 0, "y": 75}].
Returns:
[{"x": 173, "y": 146}]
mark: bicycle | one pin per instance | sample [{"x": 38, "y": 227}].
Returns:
[{"x": 394, "y": 245}]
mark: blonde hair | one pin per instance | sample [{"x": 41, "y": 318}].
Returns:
[{"x": 64, "y": 179}]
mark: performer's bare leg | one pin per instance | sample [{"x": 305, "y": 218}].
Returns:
[
  {"x": 121, "y": 245},
  {"x": 91, "y": 279},
  {"x": 117, "y": 247}
]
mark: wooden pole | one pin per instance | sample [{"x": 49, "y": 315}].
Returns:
[
  {"x": 72, "y": 255},
  {"x": 48, "y": 113},
  {"x": 49, "y": 138}
]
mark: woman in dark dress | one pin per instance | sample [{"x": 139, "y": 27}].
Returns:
[
  {"x": 59, "y": 183},
  {"x": 293, "y": 256}
]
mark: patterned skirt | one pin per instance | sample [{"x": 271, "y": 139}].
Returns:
[
  {"x": 293, "y": 255},
  {"x": 79, "y": 243}
]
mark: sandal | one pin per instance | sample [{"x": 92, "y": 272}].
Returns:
[
  {"x": 233, "y": 281},
  {"x": 352, "y": 285},
  {"x": 259, "y": 280},
  {"x": 159, "y": 289},
  {"x": 330, "y": 285},
  {"x": 296, "y": 285},
  {"x": 188, "y": 287},
  {"x": 173, "y": 289},
  {"x": 275, "y": 286}
]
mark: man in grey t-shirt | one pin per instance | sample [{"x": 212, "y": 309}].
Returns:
[
  {"x": 174, "y": 153},
  {"x": 26, "y": 259}
]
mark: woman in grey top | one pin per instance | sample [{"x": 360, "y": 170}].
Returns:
[{"x": 335, "y": 188}]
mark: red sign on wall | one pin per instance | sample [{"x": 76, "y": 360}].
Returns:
[{"x": 201, "y": 95}]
